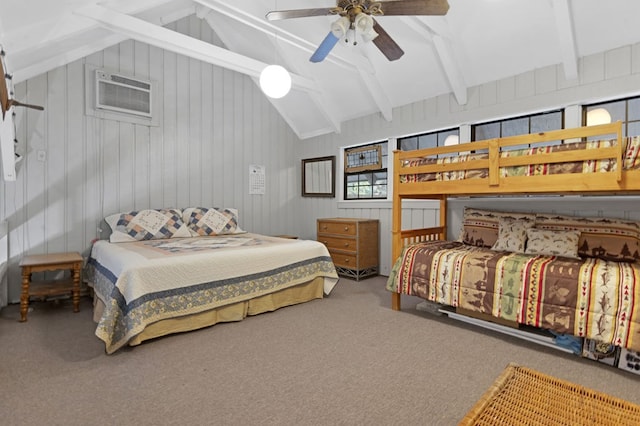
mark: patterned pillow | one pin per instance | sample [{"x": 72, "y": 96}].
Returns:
[
  {"x": 553, "y": 243},
  {"x": 203, "y": 221},
  {"x": 480, "y": 227},
  {"x": 512, "y": 234},
  {"x": 605, "y": 238},
  {"x": 146, "y": 225}
]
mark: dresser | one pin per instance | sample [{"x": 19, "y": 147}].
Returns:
[{"x": 353, "y": 245}]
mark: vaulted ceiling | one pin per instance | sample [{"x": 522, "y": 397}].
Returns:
[{"x": 477, "y": 41}]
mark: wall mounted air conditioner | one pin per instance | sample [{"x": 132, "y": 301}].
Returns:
[{"x": 115, "y": 92}]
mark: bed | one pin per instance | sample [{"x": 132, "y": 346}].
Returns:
[
  {"x": 149, "y": 288},
  {"x": 593, "y": 160}
]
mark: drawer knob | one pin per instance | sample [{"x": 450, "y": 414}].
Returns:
[
  {"x": 346, "y": 244},
  {"x": 346, "y": 228},
  {"x": 346, "y": 261},
  {"x": 325, "y": 242}
]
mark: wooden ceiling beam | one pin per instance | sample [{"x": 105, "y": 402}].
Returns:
[
  {"x": 163, "y": 38},
  {"x": 444, "y": 51},
  {"x": 358, "y": 64},
  {"x": 211, "y": 17},
  {"x": 566, "y": 38}
]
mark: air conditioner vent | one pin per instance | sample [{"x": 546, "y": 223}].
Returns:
[{"x": 123, "y": 94}]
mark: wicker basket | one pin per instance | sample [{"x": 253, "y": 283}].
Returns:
[{"x": 521, "y": 396}]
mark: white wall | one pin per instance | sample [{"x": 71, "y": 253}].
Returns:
[
  {"x": 604, "y": 76},
  {"x": 214, "y": 123}
]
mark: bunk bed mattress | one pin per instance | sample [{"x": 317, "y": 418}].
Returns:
[
  {"x": 590, "y": 298},
  {"x": 631, "y": 162},
  {"x": 139, "y": 284}
]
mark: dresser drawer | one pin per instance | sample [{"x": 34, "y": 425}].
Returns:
[
  {"x": 335, "y": 243},
  {"x": 344, "y": 260},
  {"x": 352, "y": 244},
  {"x": 341, "y": 228}
]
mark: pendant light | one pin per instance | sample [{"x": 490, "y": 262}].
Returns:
[
  {"x": 598, "y": 116},
  {"x": 275, "y": 80}
]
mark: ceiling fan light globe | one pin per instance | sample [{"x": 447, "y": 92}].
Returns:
[
  {"x": 340, "y": 27},
  {"x": 364, "y": 25},
  {"x": 369, "y": 35},
  {"x": 275, "y": 81},
  {"x": 363, "y": 22}
]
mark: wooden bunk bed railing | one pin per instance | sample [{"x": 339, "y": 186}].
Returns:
[
  {"x": 494, "y": 183},
  {"x": 613, "y": 181},
  {"x": 413, "y": 236}
]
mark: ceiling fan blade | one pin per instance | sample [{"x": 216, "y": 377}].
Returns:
[
  {"x": 385, "y": 43},
  {"x": 414, "y": 7},
  {"x": 276, "y": 15},
  {"x": 325, "y": 47}
]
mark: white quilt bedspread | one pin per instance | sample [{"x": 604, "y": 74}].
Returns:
[{"x": 143, "y": 282}]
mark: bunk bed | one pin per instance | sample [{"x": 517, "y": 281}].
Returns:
[{"x": 594, "y": 160}]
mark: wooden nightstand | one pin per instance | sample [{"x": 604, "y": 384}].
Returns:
[{"x": 50, "y": 262}]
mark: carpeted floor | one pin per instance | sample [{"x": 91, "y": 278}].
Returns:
[{"x": 345, "y": 360}]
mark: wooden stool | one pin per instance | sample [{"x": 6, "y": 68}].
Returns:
[{"x": 50, "y": 262}]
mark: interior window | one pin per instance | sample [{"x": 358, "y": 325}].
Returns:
[
  {"x": 535, "y": 123},
  {"x": 429, "y": 140},
  {"x": 365, "y": 172},
  {"x": 625, "y": 110}
]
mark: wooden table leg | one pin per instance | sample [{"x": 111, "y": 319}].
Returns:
[
  {"x": 24, "y": 296},
  {"x": 76, "y": 288}
]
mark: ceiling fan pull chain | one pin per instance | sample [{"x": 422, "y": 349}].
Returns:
[{"x": 355, "y": 35}]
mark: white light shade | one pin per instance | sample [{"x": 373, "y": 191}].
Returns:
[
  {"x": 452, "y": 140},
  {"x": 598, "y": 116},
  {"x": 363, "y": 22},
  {"x": 364, "y": 25},
  {"x": 340, "y": 27},
  {"x": 275, "y": 81}
]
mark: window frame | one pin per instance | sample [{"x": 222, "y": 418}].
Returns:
[
  {"x": 625, "y": 123},
  {"x": 360, "y": 171},
  {"x": 503, "y": 121},
  {"x": 439, "y": 135}
]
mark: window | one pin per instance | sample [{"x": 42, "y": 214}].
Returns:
[
  {"x": 367, "y": 157},
  {"x": 625, "y": 110},
  {"x": 429, "y": 140},
  {"x": 535, "y": 123},
  {"x": 365, "y": 172}
]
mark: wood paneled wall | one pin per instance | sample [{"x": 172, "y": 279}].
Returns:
[
  {"x": 213, "y": 124},
  {"x": 608, "y": 75}
]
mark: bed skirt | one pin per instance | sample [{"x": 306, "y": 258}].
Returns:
[{"x": 235, "y": 312}]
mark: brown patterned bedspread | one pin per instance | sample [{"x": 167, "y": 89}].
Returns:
[{"x": 590, "y": 298}]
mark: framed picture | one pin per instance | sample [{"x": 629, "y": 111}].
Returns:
[{"x": 318, "y": 177}]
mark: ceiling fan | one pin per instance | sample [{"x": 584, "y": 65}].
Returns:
[{"x": 357, "y": 16}]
